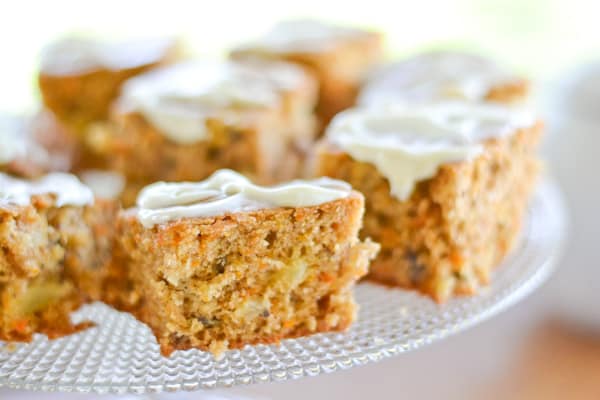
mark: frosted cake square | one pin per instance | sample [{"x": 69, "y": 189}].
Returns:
[
  {"x": 81, "y": 77},
  {"x": 339, "y": 56},
  {"x": 185, "y": 121},
  {"x": 444, "y": 75},
  {"x": 224, "y": 263},
  {"x": 446, "y": 186},
  {"x": 56, "y": 242}
]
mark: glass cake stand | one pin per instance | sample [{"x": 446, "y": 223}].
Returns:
[{"x": 121, "y": 356}]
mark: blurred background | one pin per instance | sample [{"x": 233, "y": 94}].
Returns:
[
  {"x": 543, "y": 348},
  {"x": 538, "y": 37}
]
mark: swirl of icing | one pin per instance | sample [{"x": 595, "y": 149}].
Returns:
[
  {"x": 227, "y": 191},
  {"x": 177, "y": 99},
  {"x": 408, "y": 144},
  {"x": 78, "y": 55},
  {"x": 435, "y": 76},
  {"x": 67, "y": 188}
]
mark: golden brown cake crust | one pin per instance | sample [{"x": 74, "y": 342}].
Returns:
[
  {"x": 255, "y": 277},
  {"x": 52, "y": 261},
  {"x": 457, "y": 226}
]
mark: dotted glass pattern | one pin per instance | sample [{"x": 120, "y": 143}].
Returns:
[{"x": 120, "y": 355}]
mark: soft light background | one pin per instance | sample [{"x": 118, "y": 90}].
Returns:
[
  {"x": 518, "y": 355},
  {"x": 539, "y": 37}
]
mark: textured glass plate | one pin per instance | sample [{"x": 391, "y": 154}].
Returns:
[{"x": 120, "y": 355}]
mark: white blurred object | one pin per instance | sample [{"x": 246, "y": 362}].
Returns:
[
  {"x": 573, "y": 149},
  {"x": 105, "y": 184}
]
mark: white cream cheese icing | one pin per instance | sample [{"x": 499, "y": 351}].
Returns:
[
  {"x": 227, "y": 191},
  {"x": 104, "y": 184},
  {"x": 13, "y": 141},
  {"x": 178, "y": 99},
  {"x": 435, "y": 76},
  {"x": 17, "y": 142},
  {"x": 408, "y": 144},
  {"x": 304, "y": 36},
  {"x": 77, "y": 55},
  {"x": 67, "y": 188}
]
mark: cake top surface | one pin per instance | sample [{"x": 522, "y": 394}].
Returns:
[
  {"x": 79, "y": 55},
  {"x": 305, "y": 36},
  {"x": 177, "y": 99},
  {"x": 66, "y": 187},
  {"x": 227, "y": 192},
  {"x": 435, "y": 76},
  {"x": 409, "y": 143}
]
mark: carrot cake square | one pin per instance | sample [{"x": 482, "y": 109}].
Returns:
[
  {"x": 185, "y": 121},
  {"x": 56, "y": 242},
  {"x": 440, "y": 75},
  {"x": 80, "y": 78},
  {"x": 339, "y": 56},
  {"x": 446, "y": 186},
  {"x": 223, "y": 263}
]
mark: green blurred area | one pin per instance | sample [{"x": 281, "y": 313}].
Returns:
[{"x": 541, "y": 38}]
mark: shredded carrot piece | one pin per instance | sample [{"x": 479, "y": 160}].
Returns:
[
  {"x": 456, "y": 259},
  {"x": 21, "y": 325},
  {"x": 326, "y": 277},
  {"x": 289, "y": 323}
]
